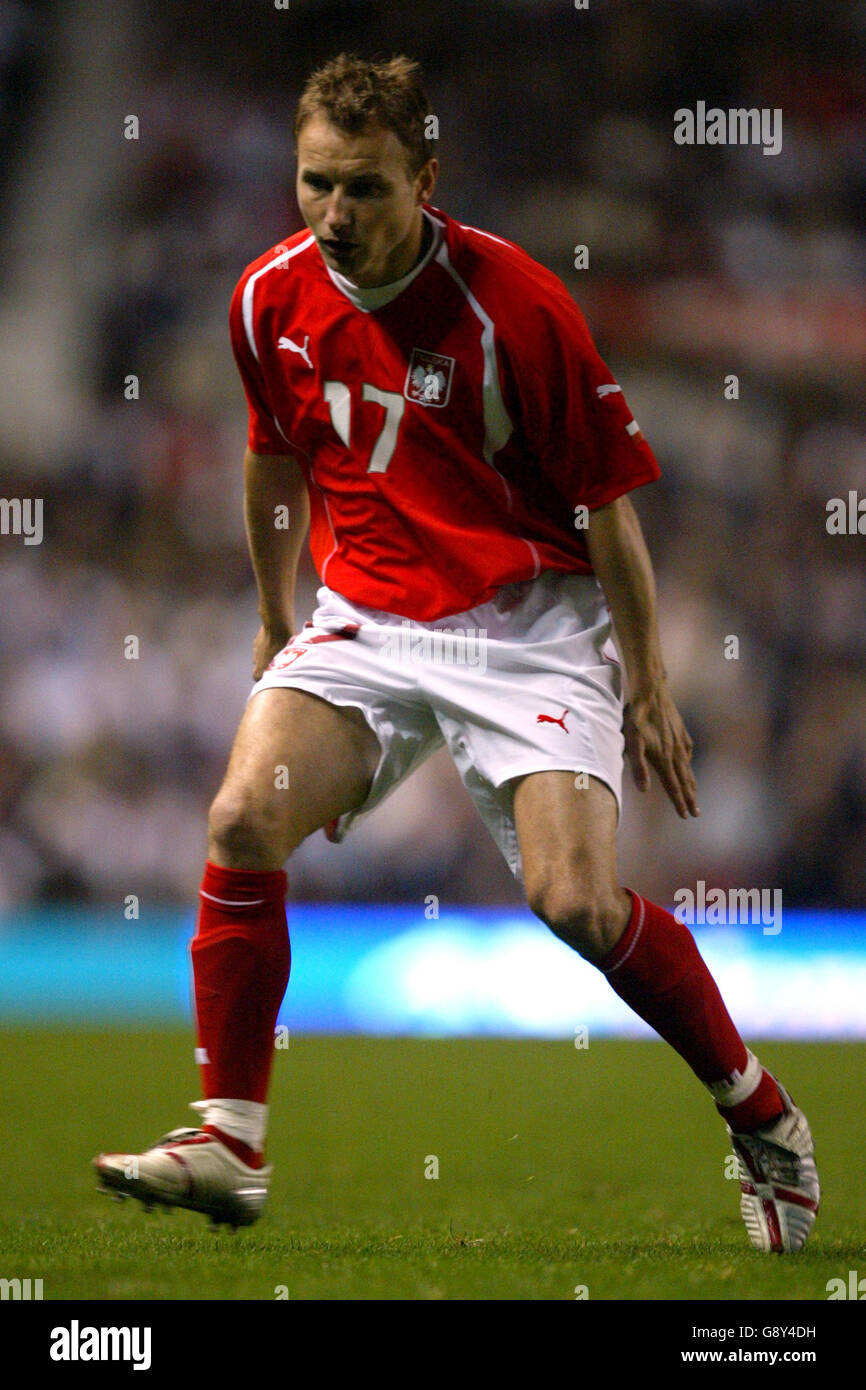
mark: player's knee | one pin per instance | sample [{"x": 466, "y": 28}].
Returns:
[
  {"x": 244, "y": 834},
  {"x": 589, "y": 922}
]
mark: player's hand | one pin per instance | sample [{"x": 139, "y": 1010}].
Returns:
[
  {"x": 267, "y": 643},
  {"x": 655, "y": 734}
]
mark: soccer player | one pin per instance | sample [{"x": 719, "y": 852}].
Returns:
[{"x": 429, "y": 400}]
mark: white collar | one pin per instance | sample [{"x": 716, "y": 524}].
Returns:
[{"x": 375, "y": 296}]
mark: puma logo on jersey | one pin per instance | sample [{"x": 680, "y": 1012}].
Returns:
[
  {"x": 293, "y": 347},
  {"x": 549, "y": 719},
  {"x": 602, "y": 391}
]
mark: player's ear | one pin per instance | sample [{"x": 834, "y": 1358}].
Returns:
[{"x": 425, "y": 180}]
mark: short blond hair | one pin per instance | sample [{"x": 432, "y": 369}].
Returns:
[{"x": 354, "y": 93}]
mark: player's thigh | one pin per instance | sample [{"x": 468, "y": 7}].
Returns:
[
  {"x": 297, "y": 763},
  {"x": 567, "y": 836}
]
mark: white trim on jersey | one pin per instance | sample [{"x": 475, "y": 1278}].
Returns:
[
  {"x": 281, "y": 430},
  {"x": 497, "y": 423},
  {"x": 367, "y": 300},
  {"x": 282, "y": 259},
  {"x": 324, "y": 497},
  {"x": 247, "y": 307},
  {"x": 490, "y": 237}
]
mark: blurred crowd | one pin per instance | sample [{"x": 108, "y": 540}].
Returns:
[{"x": 556, "y": 129}]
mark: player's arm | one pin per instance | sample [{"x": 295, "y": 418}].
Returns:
[
  {"x": 271, "y": 482},
  {"x": 654, "y": 731}
]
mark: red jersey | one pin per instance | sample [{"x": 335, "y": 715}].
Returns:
[{"x": 448, "y": 437}]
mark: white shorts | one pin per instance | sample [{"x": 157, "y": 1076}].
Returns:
[{"x": 529, "y": 682}]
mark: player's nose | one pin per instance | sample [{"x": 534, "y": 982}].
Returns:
[{"x": 338, "y": 216}]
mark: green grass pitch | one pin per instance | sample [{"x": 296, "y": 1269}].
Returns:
[{"x": 559, "y": 1168}]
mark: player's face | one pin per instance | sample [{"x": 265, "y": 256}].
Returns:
[{"x": 360, "y": 200}]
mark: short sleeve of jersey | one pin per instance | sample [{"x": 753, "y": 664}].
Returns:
[
  {"x": 263, "y": 437},
  {"x": 577, "y": 422}
]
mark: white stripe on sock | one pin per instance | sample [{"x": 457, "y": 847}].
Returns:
[
  {"x": 246, "y": 1120},
  {"x": 739, "y": 1086},
  {"x": 635, "y": 939},
  {"x": 225, "y": 902}
]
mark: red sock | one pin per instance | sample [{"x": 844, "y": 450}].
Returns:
[
  {"x": 763, "y": 1105},
  {"x": 657, "y": 970},
  {"x": 241, "y": 961}
]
